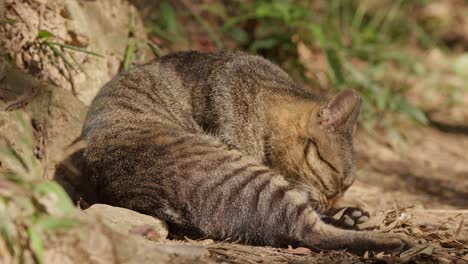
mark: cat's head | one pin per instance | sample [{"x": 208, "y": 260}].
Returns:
[{"x": 319, "y": 151}]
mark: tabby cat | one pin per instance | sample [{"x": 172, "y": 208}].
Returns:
[{"x": 227, "y": 146}]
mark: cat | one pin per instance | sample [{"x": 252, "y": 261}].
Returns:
[{"x": 226, "y": 145}]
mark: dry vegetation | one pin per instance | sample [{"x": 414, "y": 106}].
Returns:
[{"x": 409, "y": 59}]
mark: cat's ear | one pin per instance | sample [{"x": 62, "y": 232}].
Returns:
[{"x": 341, "y": 112}]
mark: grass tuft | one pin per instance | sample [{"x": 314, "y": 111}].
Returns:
[
  {"x": 30, "y": 207},
  {"x": 64, "y": 52}
]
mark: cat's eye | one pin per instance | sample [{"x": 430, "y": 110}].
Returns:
[{"x": 312, "y": 143}]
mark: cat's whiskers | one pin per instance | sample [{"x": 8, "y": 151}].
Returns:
[
  {"x": 318, "y": 194},
  {"x": 314, "y": 193},
  {"x": 301, "y": 173},
  {"x": 366, "y": 166}
]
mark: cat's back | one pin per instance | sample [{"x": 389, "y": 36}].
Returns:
[
  {"x": 178, "y": 88},
  {"x": 149, "y": 94}
]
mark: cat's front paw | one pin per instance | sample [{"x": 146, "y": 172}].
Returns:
[
  {"x": 347, "y": 218},
  {"x": 390, "y": 242},
  {"x": 358, "y": 242}
]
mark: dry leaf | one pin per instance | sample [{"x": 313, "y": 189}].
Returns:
[
  {"x": 426, "y": 249},
  {"x": 459, "y": 229}
]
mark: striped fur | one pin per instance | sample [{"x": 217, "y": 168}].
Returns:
[{"x": 225, "y": 145}]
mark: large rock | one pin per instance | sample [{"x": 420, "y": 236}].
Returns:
[
  {"x": 94, "y": 240},
  {"x": 127, "y": 221}
]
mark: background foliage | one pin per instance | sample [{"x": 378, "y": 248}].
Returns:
[{"x": 376, "y": 47}]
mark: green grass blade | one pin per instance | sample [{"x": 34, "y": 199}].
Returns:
[
  {"x": 27, "y": 134},
  {"x": 155, "y": 49},
  {"x": 44, "y": 34},
  {"x": 390, "y": 17},
  {"x": 356, "y": 23},
  {"x": 11, "y": 153},
  {"x": 50, "y": 223},
  {"x": 163, "y": 34},
  {"x": 6, "y": 226},
  {"x": 232, "y": 22},
  {"x": 129, "y": 54},
  {"x": 36, "y": 244},
  {"x": 76, "y": 49},
  {"x": 77, "y": 63},
  {"x": 64, "y": 202},
  {"x": 266, "y": 43},
  {"x": 28, "y": 141},
  {"x": 209, "y": 30},
  {"x": 170, "y": 18},
  {"x": 60, "y": 54},
  {"x": 424, "y": 37},
  {"x": 239, "y": 35},
  {"x": 217, "y": 9},
  {"x": 335, "y": 64},
  {"x": 317, "y": 34},
  {"x": 413, "y": 111},
  {"x": 55, "y": 63}
]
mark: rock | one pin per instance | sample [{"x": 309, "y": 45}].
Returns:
[
  {"x": 93, "y": 240},
  {"x": 127, "y": 221},
  {"x": 54, "y": 115}
]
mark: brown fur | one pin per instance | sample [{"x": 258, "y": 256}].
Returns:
[{"x": 225, "y": 145}]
